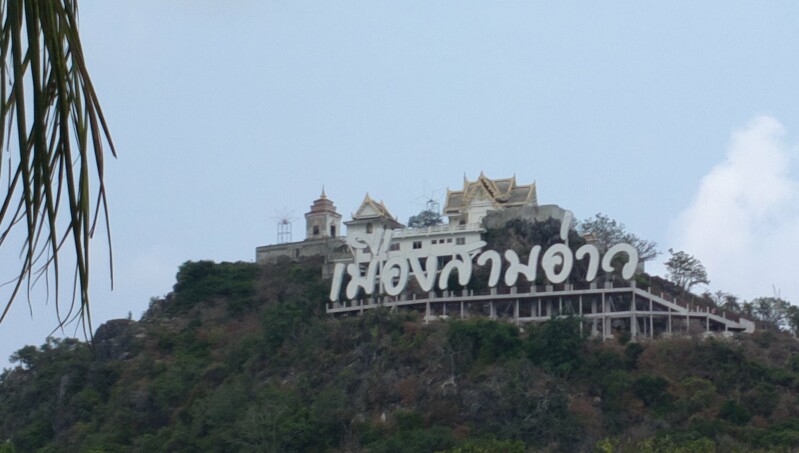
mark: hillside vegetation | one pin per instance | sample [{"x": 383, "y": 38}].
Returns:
[{"x": 242, "y": 358}]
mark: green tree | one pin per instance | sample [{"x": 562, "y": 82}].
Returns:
[
  {"x": 607, "y": 232},
  {"x": 792, "y": 317},
  {"x": 773, "y": 310},
  {"x": 483, "y": 341},
  {"x": 425, "y": 219},
  {"x": 731, "y": 303},
  {"x": 489, "y": 445},
  {"x": 685, "y": 270},
  {"x": 556, "y": 345},
  {"x": 55, "y": 193}
]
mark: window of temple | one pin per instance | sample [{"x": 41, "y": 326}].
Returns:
[
  {"x": 332, "y": 230},
  {"x": 394, "y": 247},
  {"x": 417, "y": 244},
  {"x": 368, "y": 228},
  {"x": 316, "y": 230},
  {"x": 460, "y": 241}
]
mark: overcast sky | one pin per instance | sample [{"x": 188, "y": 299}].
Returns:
[{"x": 678, "y": 119}]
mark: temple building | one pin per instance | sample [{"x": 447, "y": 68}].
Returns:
[
  {"x": 322, "y": 236},
  {"x": 467, "y": 211},
  {"x": 370, "y": 216},
  {"x": 477, "y": 198},
  {"x": 322, "y": 221}
]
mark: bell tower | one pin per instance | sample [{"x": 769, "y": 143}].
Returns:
[{"x": 322, "y": 221}]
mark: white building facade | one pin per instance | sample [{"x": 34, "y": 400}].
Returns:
[{"x": 465, "y": 209}]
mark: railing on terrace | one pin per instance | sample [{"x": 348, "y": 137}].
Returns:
[
  {"x": 535, "y": 290},
  {"x": 402, "y": 232}
]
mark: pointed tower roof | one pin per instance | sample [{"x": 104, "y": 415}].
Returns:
[
  {"x": 322, "y": 205},
  {"x": 371, "y": 209}
]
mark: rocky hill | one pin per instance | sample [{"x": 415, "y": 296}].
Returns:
[{"x": 242, "y": 357}]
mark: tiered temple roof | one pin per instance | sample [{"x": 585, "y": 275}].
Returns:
[{"x": 502, "y": 192}]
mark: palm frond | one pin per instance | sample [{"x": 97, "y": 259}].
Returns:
[{"x": 55, "y": 134}]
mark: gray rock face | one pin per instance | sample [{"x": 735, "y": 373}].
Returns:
[
  {"x": 498, "y": 219},
  {"x": 113, "y": 340}
]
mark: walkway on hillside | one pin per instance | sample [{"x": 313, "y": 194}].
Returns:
[{"x": 606, "y": 310}]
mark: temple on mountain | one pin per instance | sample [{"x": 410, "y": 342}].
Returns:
[{"x": 467, "y": 211}]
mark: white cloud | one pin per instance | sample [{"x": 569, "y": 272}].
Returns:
[{"x": 744, "y": 221}]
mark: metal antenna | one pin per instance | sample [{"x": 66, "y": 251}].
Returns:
[
  {"x": 284, "y": 220},
  {"x": 430, "y": 198}
]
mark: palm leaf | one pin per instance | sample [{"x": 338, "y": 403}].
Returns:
[{"x": 54, "y": 130}]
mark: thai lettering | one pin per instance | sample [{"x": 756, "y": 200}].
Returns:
[
  {"x": 395, "y": 275},
  {"x": 496, "y": 266},
  {"x": 375, "y": 264},
  {"x": 630, "y": 266},
  {"x": 462, "y": 262},
  {"x": 529, "y": 270},
  {"x": 338, "y": 276},
  {"x": 374, "y": 244},
  {"x": 557, "y": 261},
  {"x": 425, "y": 277},
  {"x": 593, "y": 260},
  {"x": 558, "y": 255},
  {"x": 359, "y": 280}
]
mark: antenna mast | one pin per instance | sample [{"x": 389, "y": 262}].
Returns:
[
  {"x": 284, "y": 221},
  {"x": 430, "y": 198}
]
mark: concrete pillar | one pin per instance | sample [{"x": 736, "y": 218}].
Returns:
[
  {"x": 633, "y": 319},
  {"x": 651, "y": 321}
]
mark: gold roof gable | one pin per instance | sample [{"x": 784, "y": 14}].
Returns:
[{"x": 502, "y": 192}]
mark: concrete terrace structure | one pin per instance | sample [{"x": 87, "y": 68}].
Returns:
[{"x": 606, "y": 309}]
